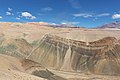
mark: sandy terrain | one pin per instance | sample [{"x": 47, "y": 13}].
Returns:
[
  {"x": 59, "y": 58},
  {"x": 16, "y": 75},
  {"x": 35, "y": 31},
  {"x": 11, "y": 69}
]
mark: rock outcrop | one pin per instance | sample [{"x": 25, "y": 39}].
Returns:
[
  {"x": 19, "y": 48},
  {"x": 98, "y": 57},
  {"x": 19, "y": 69}
]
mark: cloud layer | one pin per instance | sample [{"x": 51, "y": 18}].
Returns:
[
  {"x": 116, "y": 16},
  {"x": 27, "y": 15},
  {"x": 10, "y": 9},
  {"x": 1, "y": 17},
  {"x": 85, "y": 15},
  {"x": 88, "y": 15},
  {"x": 9, "y": 12},
  {"x": 103, "y": 14}
]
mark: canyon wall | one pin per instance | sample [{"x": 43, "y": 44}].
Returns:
[{"x": 98, "y": 57}]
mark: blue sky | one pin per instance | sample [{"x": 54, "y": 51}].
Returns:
[{"x": 87, "y": 13}]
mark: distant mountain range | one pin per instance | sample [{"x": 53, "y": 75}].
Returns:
[
  {"x": 115, "y": 25},
  {"x": 111, "y": 25},
  {"x": 108, "y": 25},
  {"x": 63, "y": 26}
]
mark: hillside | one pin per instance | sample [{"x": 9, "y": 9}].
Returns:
[
  {"x": 111, "y": 25},
  {"x": 37, "y": 49}
]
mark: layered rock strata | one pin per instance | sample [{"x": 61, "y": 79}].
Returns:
[{"x": 98, "y": 57}]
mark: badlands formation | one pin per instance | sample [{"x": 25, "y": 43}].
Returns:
[{"x": 38, "y": 51}]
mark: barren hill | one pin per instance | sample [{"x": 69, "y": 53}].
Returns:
[
  {"x": 58, "y": 53},
  {"x": 20, "y": 69},
  {"x": 111, "y": 25},
  {"x": 98, "y": 57}
]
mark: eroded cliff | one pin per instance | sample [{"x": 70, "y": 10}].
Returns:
[{"x": 98, "y": 57}]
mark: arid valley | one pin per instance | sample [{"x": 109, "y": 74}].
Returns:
[{"x": 39, "y": 51}]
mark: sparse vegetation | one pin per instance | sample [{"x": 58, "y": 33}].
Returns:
[{"x": 35, "y": 43}]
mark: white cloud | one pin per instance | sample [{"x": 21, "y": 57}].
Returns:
[
  {"x": 93, "y": 15},
  {"x": 116, "y": 16},
  {"x": 33, "y": 17},
  {"x": 103, "y": 14},
  {"x": 85, "y": 15},
  {"x": 9, "y": 9},
  {"x": 9, "y": 13},
  {"x": 46, "y": 9},
  {"x": 1, "y": 17},
  {"x": 63, "y": 23},
  {"x": 71, "y": 23},
  {"x": 53, "y": 23},
  {"x": 27, "y": 15}
]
